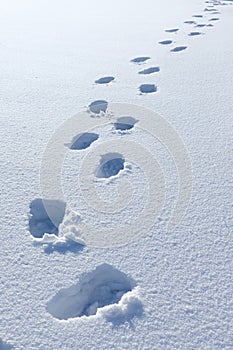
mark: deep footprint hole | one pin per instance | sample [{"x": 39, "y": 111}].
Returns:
[
  {"x": 98, "y": 106},
  {"x": 110, "y": 165},
  {"x": 125, "y": 123},
  {"x": 147, "y": 88},
  {"x": 104, "y": 80},
  {"x": 104, "y": 286},
  {"x": 45, "y": 216},
  {"x": 83, "y": 141},
  {"x": 150, "y": 70},
  {"x": 140, "y": 59}
]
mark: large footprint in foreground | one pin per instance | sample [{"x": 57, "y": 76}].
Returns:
[{"x": 105, "y": 291}]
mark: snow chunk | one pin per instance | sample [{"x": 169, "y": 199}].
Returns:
[{"x": 127, "y": 308}]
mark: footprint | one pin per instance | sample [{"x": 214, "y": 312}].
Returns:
[
  {"x": 149, "y": 70},
  {"x": 173, "y": 30},
  {"x": 110, "y": 165},
  {"x": 125, "y": 123},
  {"x": 190, "y": 22},
  {"x": 214, "y": 19},
  {"x": 104, "y": 80},
  {"x": 195, "y": 33},
  {"x": 5, "y": 346},
  {"x": 165, "y": 42},
  {"x": 209, "y": 9},
  {"x": 200, "y": 25},
  {"x": 98, "y": 106},
  {"x": 140, "y": 59},
  {"x": 148, "y": 88},
  {"x": 209, "y": 25},
  {"x": 104, "y": 286},
  {"x": 197, "y": 16},
  {"x": 178, "y": 48},
  {"x": 83, "y": 141},
  {"x": 39, "y": 220}
]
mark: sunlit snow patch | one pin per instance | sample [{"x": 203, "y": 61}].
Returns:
[{"x": 105, "y": 286}]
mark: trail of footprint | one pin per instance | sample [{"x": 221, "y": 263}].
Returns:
[
  {"x": 165, "y": 42},
  {"x": 140, "y": 59},
  {"x": 104, "y": 80},
  {"x": 173, "y": 30},
  {"x": 178, "y": 48},
  {"x": 147, "y": 88},
  {"x": 150, "y": 70}
]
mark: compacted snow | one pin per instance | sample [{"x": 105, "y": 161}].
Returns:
[{"x": 136, "y": 253}]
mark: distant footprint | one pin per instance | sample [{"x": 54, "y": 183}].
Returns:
[
  {"x": 195, "y": 33},
  {"x": 200, "y": 25},
  {"x": 140, "y": 59},
  {"x": 173, "y": 30},
  {"x": 197, "y": 16},
  {"x": 150, "y": 70},
  {"x": 209, "y": 10},
  {"x": 125, "y": 123},
  {"x": 110, "y": 165},
  {"x": 178, "y": 48},
  {"x": 214, "y": 19},
  {"x": 104, "y": 80},
  {"x": 189, "y": 22},
  {"x": 82, "y": 141},
  {"x": 98, "y": 106},
  {"x": 165, "y": 42},
  {"x": 147, "y": 88}
]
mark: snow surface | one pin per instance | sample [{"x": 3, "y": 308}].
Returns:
[{"x": 51, "y": 53}]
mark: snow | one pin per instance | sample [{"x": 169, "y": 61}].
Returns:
[{"x": 181, "y": 296}]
